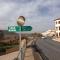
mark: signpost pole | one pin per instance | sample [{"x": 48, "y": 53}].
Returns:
[
  {"x": 20, "y": 27},
  {"x": 20, "y": 22},
  {"x": 20, "y": 47}
]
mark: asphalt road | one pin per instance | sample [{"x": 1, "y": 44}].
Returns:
[{"x": 50, "y": 48}]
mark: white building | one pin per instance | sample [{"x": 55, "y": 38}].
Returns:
[
  {"x": 49, "y": 33},
  {"x": 57, "y": 27}
]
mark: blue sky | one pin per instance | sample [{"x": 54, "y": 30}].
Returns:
[{"x": 38, "y": 13}]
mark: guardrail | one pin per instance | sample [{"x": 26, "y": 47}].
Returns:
[{"x": 37, "y": 49}]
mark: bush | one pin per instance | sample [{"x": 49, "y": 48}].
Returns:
[{"x": 2, "y": 49}]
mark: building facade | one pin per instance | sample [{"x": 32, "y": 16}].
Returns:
[{"x": 57, "y": 27}]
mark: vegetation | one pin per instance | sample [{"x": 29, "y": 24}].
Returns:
[
  {"x": 4, "y": 47},
  {"x": 1, "y": 35}
]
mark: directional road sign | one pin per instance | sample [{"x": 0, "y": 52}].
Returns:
[
  {"x": 19, "y": 28},
  {"x": 26, "y": 28},
  {"x": 14, "y": 28}
]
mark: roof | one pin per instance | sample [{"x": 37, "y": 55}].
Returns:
[{"x": 57, "y": 19}]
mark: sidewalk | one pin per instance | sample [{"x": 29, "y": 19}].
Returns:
[
  {"x": 9, "y": 56},
  {"x": 29, "y": 54}
]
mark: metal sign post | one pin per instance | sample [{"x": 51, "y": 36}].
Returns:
[
  {"x": 20, "y": 22},
  {"x": 20, "y": 28}
]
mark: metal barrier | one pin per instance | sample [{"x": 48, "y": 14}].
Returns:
[{"x": 37, "y": 49}]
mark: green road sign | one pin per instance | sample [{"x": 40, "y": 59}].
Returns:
[
  {"x": 26, "y": 28},
  {"x": 14, "y": 28},
  {"x": 19, "y": 28}
]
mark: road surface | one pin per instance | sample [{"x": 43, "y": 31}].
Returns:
[{"x": 49, "y": 47}]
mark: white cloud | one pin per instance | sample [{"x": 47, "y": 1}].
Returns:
[
  {"x": 5, "y": 8},
  {"x": 32, "y": 10}
]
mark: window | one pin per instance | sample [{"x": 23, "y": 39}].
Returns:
[
  {"x": 56, "y": 22},
  {"x": 59, "y": 22},
  {"x": 59, "y": 27},
  {"x": 56, "y": 28}
]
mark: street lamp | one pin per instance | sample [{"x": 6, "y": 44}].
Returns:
[{"x": 20, "y": 22}]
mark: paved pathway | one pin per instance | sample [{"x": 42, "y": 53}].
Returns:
[
  {"x": 9, "y": 56},
  {"x": 29, "y": 54}
]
